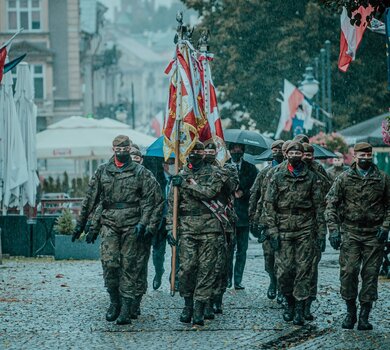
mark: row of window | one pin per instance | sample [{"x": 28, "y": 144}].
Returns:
[{"x": 24, "y": 14}]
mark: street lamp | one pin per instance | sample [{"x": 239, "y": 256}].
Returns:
[{"x": 309, "y": 85}]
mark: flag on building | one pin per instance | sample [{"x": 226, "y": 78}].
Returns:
[
  {"x": 351, "y": 36},
  {"x": 157, "y": 123}
]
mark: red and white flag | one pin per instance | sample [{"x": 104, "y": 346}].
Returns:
[
  {"x": 351, "y": 36},
  {"x": 157, "y": 123},
  {"x": 3, "y": 56}
]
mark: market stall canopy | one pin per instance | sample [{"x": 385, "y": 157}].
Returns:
[
  {"x": 85, "y": 138},
  {"x": 368, "y": 131}
]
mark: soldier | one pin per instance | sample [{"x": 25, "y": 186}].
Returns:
[
  {"x": 247, "y": 174},
  {"x": 198, "y": 233},
  {"x": 359, "y": 201},
  {"x": 123, "y": 187},
  {"x": 338, "y": 166},
  {"x": 320, "y": 232},
  {"x": 293, "y": 204},
  {"x": 255, "y": 211},
  {"x": 136, "y": 155},
  {"x": 226, "y": 199}
]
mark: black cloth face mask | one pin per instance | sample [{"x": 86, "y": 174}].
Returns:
[
  {"x": 364, "y": 164},
  {"x": 278, "y": 157},
  {"x": 123, "y": 157},
  {"x": 295, "y": 161},
  {"x": 196, "y": 160},
  {"x": 236, "y": 157}
]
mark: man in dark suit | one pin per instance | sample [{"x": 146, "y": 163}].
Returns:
[{"x": 247, "y": 174}]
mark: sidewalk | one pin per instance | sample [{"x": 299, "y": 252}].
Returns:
[{"x": 47, "y": 304}]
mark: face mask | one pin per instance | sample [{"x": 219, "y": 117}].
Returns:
[
  {"x": 294, "y": 161},
  {"x": 171, "y": 169},
  {"x": 195, "y": 160},
  {"x": 209, "y": 158},
  {"x": 278, "y": 157},
  {"x": 364, "y": 163},
  {"x": 236, "y": 157},
  {"x": 123, "y": 157}
]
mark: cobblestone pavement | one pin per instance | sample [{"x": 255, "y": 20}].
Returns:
[{"x": 46, "y": 304}]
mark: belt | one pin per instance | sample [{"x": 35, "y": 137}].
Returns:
[
  {"x": 360, "y": 224},
  {"x": 294, "y": 211},
  {"x": 195, "y": 212},
  {"x": 120, "y": 205}
]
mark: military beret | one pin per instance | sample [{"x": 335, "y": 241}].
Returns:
[
  {"x": 285, "y": 145},
  {"x": 121, "y": 140},
  {"x": 135, "y": 151},
  {"x": 134, "y": 145},
  {"x": 210, "y": 144},
  {"x": 301, "y": 138},
  {"x": 198, "y": 146},
  {"x": 295, "y": 146},
  {"x": 277, "y": 144},
  {"x": 308, "y": 147},
  {"x": 362, "y": 147}
]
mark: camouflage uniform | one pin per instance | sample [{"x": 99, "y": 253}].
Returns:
[
  {"x": 124, "y": 195},
  {"x": 333, "y": 171},
  {"x": 293, "y": 211},
  {"x": 199, "y": 232},
  {"x": 361, "y": 205}
]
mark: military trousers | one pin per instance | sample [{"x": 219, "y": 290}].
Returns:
[
  {"x": 198, "y": 255},
  {"x": 314, "y": 271},
  {"x": 294, "y": 261},
  {"x": 124, "y": 261},
  {"x": 221, "y": 273},
  {"x": 240, "y": 244},
  {"x": 269, "y": 258},
  {"x": 159, "y": 248},
  {"x": 360, "y": 253}
]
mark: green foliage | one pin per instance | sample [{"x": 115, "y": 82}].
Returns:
[
  {"x": 64, "y": 223},
  {"x": 258, "y": 44}
]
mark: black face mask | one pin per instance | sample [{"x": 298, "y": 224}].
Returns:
[
  {"x": 123, "y": 157},
  {"x": 209, "y": 158},
  {"x": 364, "y": 163},
  {"x": 278, "y": 157},
  {"x": 307, "y": 161},
  {"x": 295, "y": 161},
  {"x": 236, "y": 157},
  {"x": 196, "y": 160}
]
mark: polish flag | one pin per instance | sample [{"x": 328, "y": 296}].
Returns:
[
  {"x": 292, "y": 99},
  {"x": 3, "y": 55},
  {"x": 351, "y": 36}
]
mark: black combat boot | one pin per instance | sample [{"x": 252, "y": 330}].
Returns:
[
  {"x": 298, "y": 312},
  {"x": 136, "y": 307},
  {"x": 288, "y": 314},
  {"x": 188, "y": 310},
  {"x": 307, "y": 313},
  {"x": 350, "y": 319},
  {"x": 124, "y": 316},
  {"x": 198, "y": 318},
  {"x": 115, "y": 305},
  {"x": 209, "y": 311},
  {"x": 271, "y": 293},
  {"x": 280, "y": 297},
  {"x": 363, "y": 324},
  {"x": 218, "y": 304}
]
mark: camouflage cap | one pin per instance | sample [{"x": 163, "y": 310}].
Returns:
[
  {"x": 277, "y": 144},
  {"x": 295, "y": 146},
  {"x": 198, "y": 146},
  {"x": 362, "y": 147},
  {"x": 307, "y": 147},
  {"x": 301, "y": 138},
  {"x": 135, "y": 151},
  {"x": 285, "y": 145},
  {"x": 121, "y": 141}
]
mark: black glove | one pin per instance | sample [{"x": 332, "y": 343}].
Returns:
[
  {"x": 322, "y": 244},
  {"x": 177, "y": 180},
  {"x": 139, "y": 231},
  {"x": 78, "y": 230},
  {"x": 382, "y": 235},
  {"x": 263, "y": 236},
  {"x": 170, "y": 239},
  {"x": 253, "y": 229},
  {"x": 275, "y": 243},
  {"x": 335, "y": 239},
  {"x": 91, "y": 236}
]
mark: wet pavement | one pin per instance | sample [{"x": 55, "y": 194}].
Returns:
[{"x": 47, "y": 304}]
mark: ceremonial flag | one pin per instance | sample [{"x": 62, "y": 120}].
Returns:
[
  {"x": 351, "y": 36},
  {"x": 3, "y": 56},
  {"x": 297, "y": 126}
]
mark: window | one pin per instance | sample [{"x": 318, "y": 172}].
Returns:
[
  {"x": 38, "y": 76},
  {"x": 24, "y": 14}
]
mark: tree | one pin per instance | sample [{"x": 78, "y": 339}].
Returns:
[{"x": 257, "y": 44}]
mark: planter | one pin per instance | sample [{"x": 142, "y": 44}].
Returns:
[{"x": 78, "y": 250}]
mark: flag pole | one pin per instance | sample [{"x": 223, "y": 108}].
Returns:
[{"x": 179, "y": 19}]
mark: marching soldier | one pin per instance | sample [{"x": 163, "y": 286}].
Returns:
[
  {"x": 198, "y": 233},
  {"x": 359, "y": 201},
  {"x": 293, "y": 204},
  {"x": 123, "y": 188},
  {"x": 338, "y": 166}
]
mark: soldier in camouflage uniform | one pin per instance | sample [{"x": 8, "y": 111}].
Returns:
[
  {"x": 225, "y": 240},
  {"x": 124, "y": 189},
  {"x": 199, "y": 232},
  {"x": 338, "y": 166},
  {"x": 293, "y": 203},
  {"x": 320, "y": 233},
  {"x": 359, "y": 201},
  {"x": 255, "y": 211}
]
